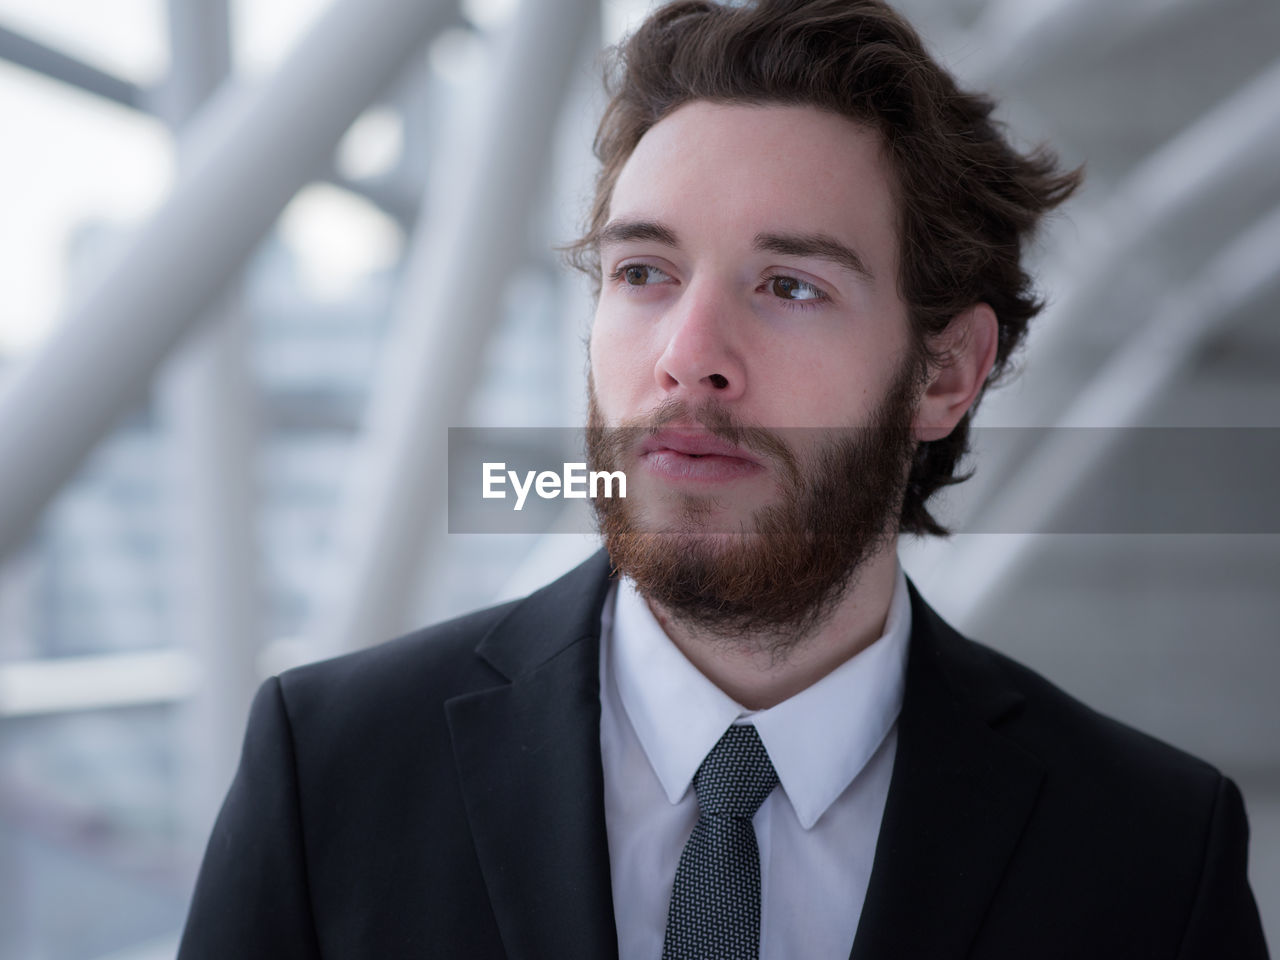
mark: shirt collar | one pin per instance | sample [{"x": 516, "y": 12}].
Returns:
[{"x": 819, "y": 740}]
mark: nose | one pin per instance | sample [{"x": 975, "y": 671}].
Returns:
[{"x": 701, "y": 358}]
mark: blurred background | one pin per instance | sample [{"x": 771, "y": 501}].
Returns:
[{"x": 256, "y": 257}]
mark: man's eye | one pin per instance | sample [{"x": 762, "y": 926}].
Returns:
[
  {"x": 789, "y": 288},
  {"x": 641, "y": 274}
]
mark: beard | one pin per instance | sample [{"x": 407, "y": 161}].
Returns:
[{"x": 778, "y": 576}]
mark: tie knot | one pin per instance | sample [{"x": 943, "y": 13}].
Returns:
[{"x": 736, "y": 775}]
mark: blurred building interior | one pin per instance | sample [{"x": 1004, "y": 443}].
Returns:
[{"x": 258, "y": 257}]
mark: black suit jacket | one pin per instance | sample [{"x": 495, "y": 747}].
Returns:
[{"x": 441, "y": 796}]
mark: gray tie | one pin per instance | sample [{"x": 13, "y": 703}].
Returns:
[{"x": 715, "y": 902}]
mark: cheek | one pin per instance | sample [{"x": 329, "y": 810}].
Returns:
[
  {"x": 617, "y": 367},
  {"x": 603, "y": 350},
  {"x": 834, "y": 382}
]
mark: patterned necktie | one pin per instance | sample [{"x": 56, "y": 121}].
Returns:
[{"x": 715, "y": 902}]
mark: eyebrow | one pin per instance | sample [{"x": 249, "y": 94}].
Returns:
[
  {"x": 819, "y": 245},
  {"x": 622, "y": 231}
]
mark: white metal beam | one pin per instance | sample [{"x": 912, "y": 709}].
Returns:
[
  {"x": 451, "y": 298},
  {"x": 1235, "y": 142},
  {"x": 56, "y": 65},
  {"x": 33, "y": 687},
  {"x": 1021, "y": 36},
  {"x": 1238, "y": 141},
  {"x": 1134, "y": 377},
  {"x": 207, "y": 412},
  {"x": 250, "y": 151}
]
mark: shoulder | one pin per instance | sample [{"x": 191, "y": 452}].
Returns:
[
  {"x": 384, "y": 686},
  {"x": 1106, "y": 790},
  {"x": 1109, "y": 795},
  {"x": 404, "y": 680},
  {"x": 1076, "y": 740},
  {"x": 1143, "y": 840}
]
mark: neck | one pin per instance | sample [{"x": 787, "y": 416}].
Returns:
[{"x": 750, "y": 669}]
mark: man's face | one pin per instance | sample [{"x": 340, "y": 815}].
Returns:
[{"x": 749, "y": 295}]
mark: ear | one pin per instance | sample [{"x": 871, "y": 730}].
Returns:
[{"x": 968, "y": 350}]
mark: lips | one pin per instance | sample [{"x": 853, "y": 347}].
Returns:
[
  {"x": 696, "y": 456},
  {"x": 692, "y": 443}
]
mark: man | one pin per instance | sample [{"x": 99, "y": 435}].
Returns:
[{"x": 741, "y": 733}]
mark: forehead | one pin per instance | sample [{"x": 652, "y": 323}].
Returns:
[{"x": 760, "y": 167}]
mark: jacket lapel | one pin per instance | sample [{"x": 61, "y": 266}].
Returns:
[
  {"x": 958, "y": 800},
  {"x": 528, "y": 758}
]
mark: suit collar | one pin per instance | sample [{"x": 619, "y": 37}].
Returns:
[
  {"x": 546, "y": 622},
  {"x": 678, "y": 714},
  {"x": 959, "y": 799}
]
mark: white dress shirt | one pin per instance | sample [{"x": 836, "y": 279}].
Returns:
[{"x": 832, "y": 745}]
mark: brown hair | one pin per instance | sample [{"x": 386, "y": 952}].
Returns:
[{"x": 968, "y": 200}]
